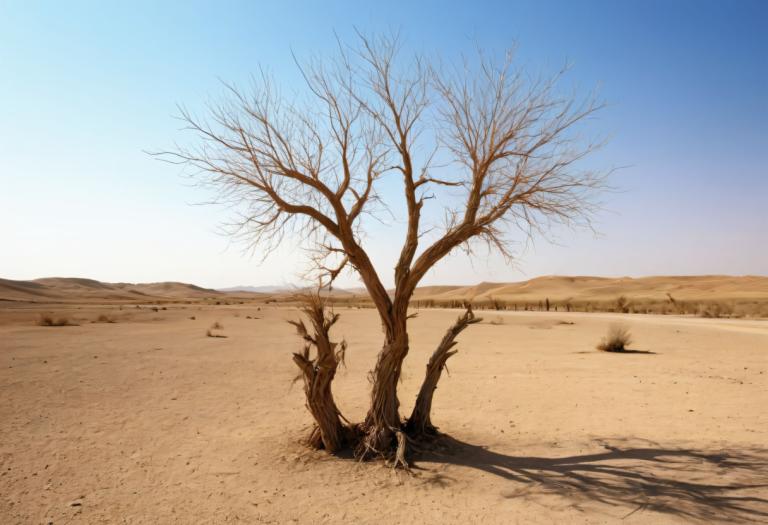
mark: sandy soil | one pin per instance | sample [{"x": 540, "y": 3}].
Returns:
[{"x": 147, "y": 420}]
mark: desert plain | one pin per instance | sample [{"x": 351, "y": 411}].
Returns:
[{"x": 134, "y": 414}]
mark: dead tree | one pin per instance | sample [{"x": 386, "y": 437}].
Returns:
[
  {"x": 318, "y": 373},
  {"x": 508, "y": 154}
]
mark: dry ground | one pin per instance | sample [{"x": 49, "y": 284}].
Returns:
[{"x": 147, "y": 420}]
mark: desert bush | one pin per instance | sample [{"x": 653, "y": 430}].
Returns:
[
  {"x": 49, "y": 320},
  {"x": 715, "y": 310},
  {"x": 215, "y": 326},
  {"x": 497, "y": 304},
  {"x": 622, "y": 305},
  {"x": 617, "y": 340}
]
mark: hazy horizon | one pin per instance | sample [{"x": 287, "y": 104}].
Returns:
[
  {"x": 89, "y": 88},
  {"x": 357, "y": 285}
]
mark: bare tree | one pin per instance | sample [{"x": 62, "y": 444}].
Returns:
[{"x": 500, "y": 144}]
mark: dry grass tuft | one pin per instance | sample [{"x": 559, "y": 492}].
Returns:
[
  {"x": 215, "y": 326},
  {"x": 49, "y": 320},
  {"x": 617, "y": 340}
]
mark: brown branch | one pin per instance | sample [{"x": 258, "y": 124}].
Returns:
[{"x": 420, "y": 422}]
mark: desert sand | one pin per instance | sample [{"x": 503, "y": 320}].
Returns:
[
  {"x": 147, "y": 420},
  {"x": 555, "y": 287}
]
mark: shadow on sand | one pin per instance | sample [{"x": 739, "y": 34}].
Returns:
[
  {"x": 630, "y": 351},
  {"x": 618, "y": 352},
  {"x": 636, "y": 474}
]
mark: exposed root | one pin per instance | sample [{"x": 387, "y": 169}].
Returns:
[
  {"x": 315, "y": 439},
  {"x": 400, "y": 459}
]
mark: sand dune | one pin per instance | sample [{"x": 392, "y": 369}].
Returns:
[
  {"x": 560, "y": 288},
  {"x": 556, "y": 288},
  {"x": 70, "y": 289}
]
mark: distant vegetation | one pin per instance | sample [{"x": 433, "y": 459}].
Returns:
[
  {"x": 49, "y": 320},
  {"x": 737, "y": 308}
]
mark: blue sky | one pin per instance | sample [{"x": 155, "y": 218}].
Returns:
[{"x": 87, "y": 87}]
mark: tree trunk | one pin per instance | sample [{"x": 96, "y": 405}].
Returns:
[
  {"x": 329, "y": 432},
  {"x": 383, "y": 419},
  {"x": 420, "y": 422},
  {"x": 318, "y": 374}
]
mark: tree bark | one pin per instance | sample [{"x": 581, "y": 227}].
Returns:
[
  {"x": 420, "y": 422},
  {"x": 383, "y": 419},
  {"x": 318, "y": 374},
  {"x": 329, "y": 431}
]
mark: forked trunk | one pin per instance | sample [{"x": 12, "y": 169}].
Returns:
[{"x": 420, "y": 422}]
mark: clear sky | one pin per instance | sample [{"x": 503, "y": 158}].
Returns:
[{"x": 86, "y": 87}]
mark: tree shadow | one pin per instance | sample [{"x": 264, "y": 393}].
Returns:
[
  {"x": 640, "y": 475},
  {"x": 619, "y": 352}
]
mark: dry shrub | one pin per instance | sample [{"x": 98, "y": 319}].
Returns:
[
  {"x": 215, "y": 326},
  {"x": 617, "y": 340},
  {"x": 622, "y": 305},
  {"x": 49, "y": 320},
  {"x": 715, "y": 310}
]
